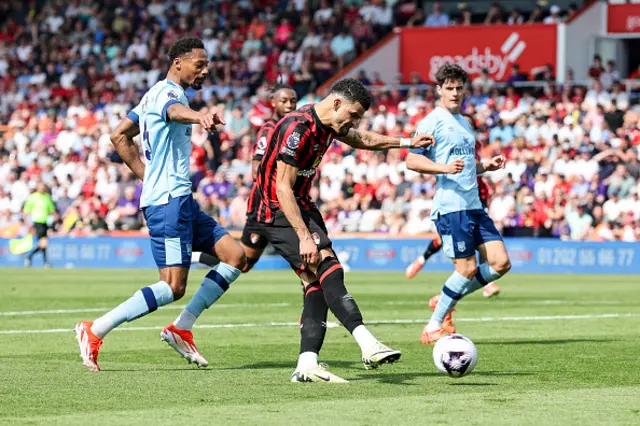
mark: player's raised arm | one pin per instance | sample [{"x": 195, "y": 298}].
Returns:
[
  {"x": 122, "y": 140},
  {"x": 363, "y": 139},
  {"x": 285, "y": 180},
  {"x": 421, "y": 164}
]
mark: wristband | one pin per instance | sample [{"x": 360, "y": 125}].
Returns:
[{"x": 405, "y": 143}]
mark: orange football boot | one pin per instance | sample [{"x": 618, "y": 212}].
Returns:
[
  {"x": 414, "y": 268},
  {"x": 89, "y": 345},
  {"x": 447, "y": 324},
  {"x": 182, "y": 342}
]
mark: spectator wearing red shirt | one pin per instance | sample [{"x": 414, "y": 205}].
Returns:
[{"x": 596, "y": 68}]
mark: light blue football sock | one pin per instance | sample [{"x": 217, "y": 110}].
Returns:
[
  {"x": 485, "y": 275},
  {"x": 215, "y": 284},
  {"x": 451, "y": 293},
  {"x": 143, "y": 302}
]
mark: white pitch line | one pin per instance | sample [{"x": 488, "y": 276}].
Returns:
[
  {"x": 285, "y": 305},
  {"x": 333, "y": 325}
]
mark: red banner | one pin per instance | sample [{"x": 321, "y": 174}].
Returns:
[
  {"x": 623, "y": 18},
  {"x": 496, "y": 48}
]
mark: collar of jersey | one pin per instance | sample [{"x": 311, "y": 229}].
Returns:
[
  {"x": 174, "y": 84},
  {"x": 317, "y": 119}
]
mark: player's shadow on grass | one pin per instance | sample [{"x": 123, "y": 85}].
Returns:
[
  {"x": 544, "y": 342},
  {"x": 407, "y": 378},
  {"x": 289, "y": 364}
]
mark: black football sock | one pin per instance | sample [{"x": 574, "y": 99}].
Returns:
[
  {"x": 313, "y": 324},
  {"x": 335, "y": 293}
]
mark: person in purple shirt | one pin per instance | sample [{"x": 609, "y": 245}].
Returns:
[
  {"x": 128, "y": 210},
  {"x": 516, "y": 76}
]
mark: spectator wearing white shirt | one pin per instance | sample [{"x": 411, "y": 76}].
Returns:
[
  {"x": 334, "y": 170},
  {"x": 597, "y": 96},
  {"x": 609, "y": 76},
  {"x": 554, "y": 17},
  {"x": 500, "y": 204},
  {"x": 323, "y": 14},
  {"x": 621, "y": 98},
  {"x": 138, "y": 51},
  {"x": 330, "y": 189},
  {"x": 610, "y": 208},
  {"x": 484, "y": 81}
]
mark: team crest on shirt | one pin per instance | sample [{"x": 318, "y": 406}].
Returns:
[
  {"x": 316, "y": 238},
  {"x": 317, "y": 162},
  {"x": 462, "y": 246},
  {"x": 171, "y": 94},
  {"x": 294, "y": 140},
  {"x": 255, "y": 238}
]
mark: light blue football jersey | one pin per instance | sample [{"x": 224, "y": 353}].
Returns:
[
  {"x": 166, "y": 144},
  {"x": 455, "y": 140}
]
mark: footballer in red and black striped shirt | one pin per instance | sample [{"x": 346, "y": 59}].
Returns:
[
  {"x": 283, "y": 100},
  {"x": 293, "y": 225}
]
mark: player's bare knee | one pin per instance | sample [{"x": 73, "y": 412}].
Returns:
[
  {"x": 178, "y": 289},
  {"x": 467, "y": 270},
  {"x": 502, "y": 265},
  {"x": 248, "y": 264},
  {"x": 238, "y": 261}
]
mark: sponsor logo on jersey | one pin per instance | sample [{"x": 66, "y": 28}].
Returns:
[
  {"x": 307, "y": 173},
  {"x": 171, "y": 94},
  {"x": 262, "y": 143}
]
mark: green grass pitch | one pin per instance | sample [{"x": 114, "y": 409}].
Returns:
[{"x": 553, "y": 350}]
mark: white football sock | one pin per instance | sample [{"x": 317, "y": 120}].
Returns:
[
  {"x": 364, "y": 337},
  {"x": 434, "y": 325},
  {"x": 185, "y": 320},
  {"x": 306, "y": 361},
  {"x": 102, "y": 326}
]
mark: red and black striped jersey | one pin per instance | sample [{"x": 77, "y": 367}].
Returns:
[
  {"x": 300, "y": 140},
  {"x": 483, "y": 188},
  {"x": 262, "y": 139},
  {"x": 264, "y": 135}
]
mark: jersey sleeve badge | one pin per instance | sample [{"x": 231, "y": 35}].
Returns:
[{"x": 294, "y": 140}]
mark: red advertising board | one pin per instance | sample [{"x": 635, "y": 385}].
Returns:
[
  {"x": 623, "y": 18},
  {"x": 496, "y": 48}
]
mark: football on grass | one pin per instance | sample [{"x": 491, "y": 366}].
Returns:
[{"x": 455, "y": 355}]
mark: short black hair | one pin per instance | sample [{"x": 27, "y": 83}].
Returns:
[
  {"x": 353, "y": 90},
  {"x": 279, "y": 87},
  {"x": 184, "y": 46},
  {"x": 453, "y": 72}
]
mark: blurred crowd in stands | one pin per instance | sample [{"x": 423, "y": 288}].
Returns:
[{"x": 70, "y": 70}]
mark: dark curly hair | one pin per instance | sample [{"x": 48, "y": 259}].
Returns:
[
  {"x": 184, "y": 46},
  {"x": 354, "y": 91},
  {"x": 453, "y": 72}
]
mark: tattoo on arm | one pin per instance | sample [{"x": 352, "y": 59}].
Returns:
[{"x": 363, "y": 139}]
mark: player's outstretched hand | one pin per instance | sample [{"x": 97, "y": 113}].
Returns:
[
  {"x": 309, "y": 251},
  {"x": 495, "y": 163},
  {"x": 209, "y": 120},
  {"x": 455, "y": 167},
  {"x": 422, "y": 141}
]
